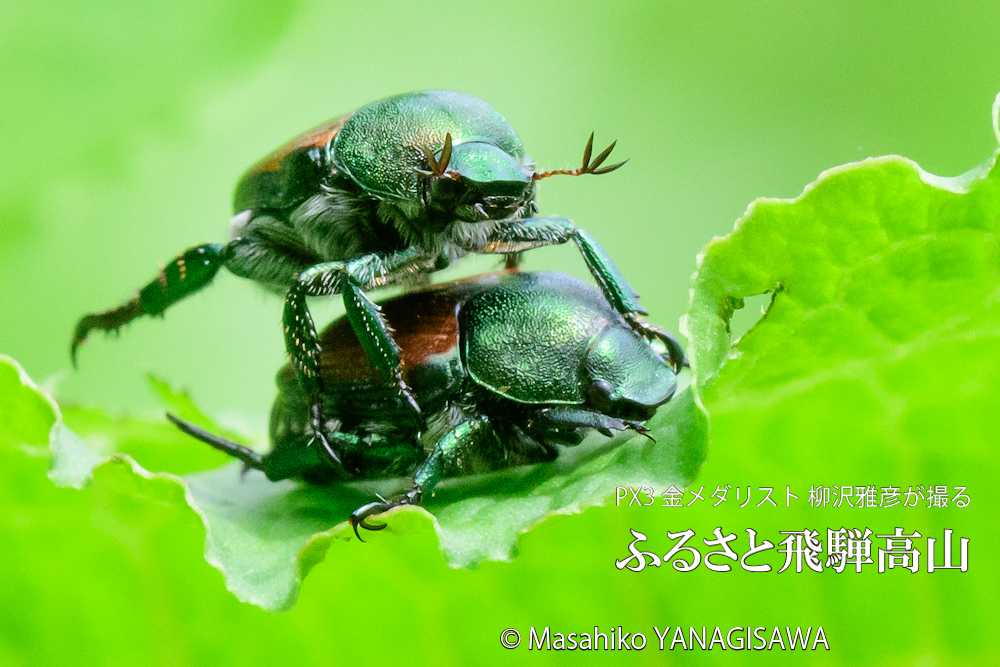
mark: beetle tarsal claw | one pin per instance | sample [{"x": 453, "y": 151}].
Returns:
[
  {"x": 359, "y": 516},
  {"x": 675, "y": 353},
  {"x": 641, "y": 429}
]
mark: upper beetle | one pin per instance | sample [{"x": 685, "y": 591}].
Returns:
[
  {"x": 381, "y": 196},
  {"x": 506, "y": 366}
]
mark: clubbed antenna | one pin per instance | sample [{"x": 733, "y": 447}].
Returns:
[
  {"x": 588, "y": 166},
  {"x": 438, "y": 167}
]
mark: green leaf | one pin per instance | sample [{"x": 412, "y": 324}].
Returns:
[
  {"x": 875, "y": 260},
  {"x": 265, "y": 537},
  {"x": 877, "y": 363},
  {"x": 26, "y": 414},
  {"x": 877, "y": 264}
]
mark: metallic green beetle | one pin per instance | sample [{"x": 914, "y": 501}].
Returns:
[
  {"x": 381, "y": 196},
  {"x": 507, "y": 366}
]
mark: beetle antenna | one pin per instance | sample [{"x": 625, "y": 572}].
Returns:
[
  {"x": 431, "y": 161},
  {"x": 445, "y": 156},
  {"x": 588, "y": 149},
  {"x": 438, "y": 167},
  {"x": 588, "y": 166}
]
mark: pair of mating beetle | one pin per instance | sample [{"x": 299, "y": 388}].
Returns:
[{"x": 486, "y": 373}]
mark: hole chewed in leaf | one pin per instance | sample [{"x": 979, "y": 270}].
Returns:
[{"x": 748, "y": 312}]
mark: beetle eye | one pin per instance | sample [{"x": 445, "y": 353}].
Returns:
[{"x": 599, "y": 394}]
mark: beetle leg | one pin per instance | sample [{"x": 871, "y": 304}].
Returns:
[
  {"x": 249, "y": 457},
  {"x": 350, "y": 279},
  {"x": 529, "y": 233},
  {"x": 277, "y": 465},
  {"x": 514, "y": 236},
  {"x": 302, "y": 345},
  {"x": 572, "y": 418},
  {"x": 187, "y": 273},
  {"x": 563, "y": 418},
  {"x": 375, "y": 335},
  {"x": 471, "y": 436}
]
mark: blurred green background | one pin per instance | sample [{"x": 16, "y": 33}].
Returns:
[{"x": 123, "y": 129}]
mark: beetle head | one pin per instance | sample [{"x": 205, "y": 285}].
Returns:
[
  {"x": 628, "y": 379},
  {"x": 477, "y": 181}
]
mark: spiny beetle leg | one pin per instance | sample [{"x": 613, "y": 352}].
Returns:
[
  {"x": 367, "y": 318},
  {"x": 301, "y": 340},
  {"x": 614, "y": 285},
  {"x": 571, "y": 418},
  {"x": 187, "y": 273},
  {"x": 529, "y": 233},
  {"x": 350, "y": 279},
  {"x": 376, "y": 338},
  {"x": 281, "y": 463},
  {"x": 109, "y": 320},
  {"x": 471, "y": 435},
  {"x": 623, "y": 297},
  {"x": 302, "y": 344}
]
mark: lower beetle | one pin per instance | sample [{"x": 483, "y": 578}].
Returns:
[{"x": 507, "y": 366}]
